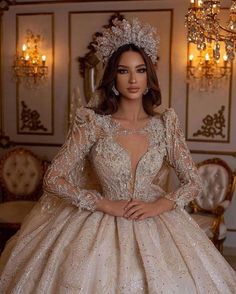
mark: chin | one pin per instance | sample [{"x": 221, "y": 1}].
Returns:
[{"x": 134, "y": 96}]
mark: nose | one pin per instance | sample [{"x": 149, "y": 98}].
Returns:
[{"x": 132, "y": 78}]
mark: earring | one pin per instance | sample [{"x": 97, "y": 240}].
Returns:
[
  {"x": 145, "y": 91},
  {"x": 115, "y": 91}
]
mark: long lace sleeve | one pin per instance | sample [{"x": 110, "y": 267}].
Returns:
[
  {"x": 178, "y": 157},
  {"x": 59, "y": 178}
]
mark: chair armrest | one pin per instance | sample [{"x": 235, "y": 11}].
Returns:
[{"x": 220, "y": 209}]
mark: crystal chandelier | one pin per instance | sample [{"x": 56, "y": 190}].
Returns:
[
  {"x": 205, "y": 73},
  {"x": 29, "y": 64},
  {"x": 215, "y": 44},
  {"x": 202, "y": 21}
]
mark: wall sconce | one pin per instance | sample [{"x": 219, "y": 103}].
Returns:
[
  {"x": 29, "y": 64},
  {"x": 206, "y": 73}
]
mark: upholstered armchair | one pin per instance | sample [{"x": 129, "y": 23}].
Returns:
[
  {"x": 208, "y": 209},
  {"x": 21, "y": 175}
]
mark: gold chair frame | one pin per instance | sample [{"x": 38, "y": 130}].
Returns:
[
  {"x": 219, "y": 211},
  {"x": 9, "y": 229}
]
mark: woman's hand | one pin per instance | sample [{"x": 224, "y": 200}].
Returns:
[
  {"x": 139, "y": 210},
  {"x": 115, "y": 208}
]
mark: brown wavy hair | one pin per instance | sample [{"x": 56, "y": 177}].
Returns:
[{"x": 110, "y": 101}]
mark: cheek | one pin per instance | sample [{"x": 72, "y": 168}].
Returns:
[
  {"x": 121, "y": 81},
  {"x": 143, "y": 80}
]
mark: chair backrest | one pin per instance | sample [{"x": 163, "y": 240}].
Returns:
[
  {"x": 21, "y": 175},
  {"x": 218, "y": 183}
]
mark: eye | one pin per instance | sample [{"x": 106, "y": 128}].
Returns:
[
  {"x": 122, "y": 71},
  {"x": 142, "y": 70}
]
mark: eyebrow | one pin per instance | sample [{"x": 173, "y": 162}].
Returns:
[{"x": 140, "y": 65}]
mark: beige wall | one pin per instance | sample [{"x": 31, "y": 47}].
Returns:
[{"x": 67, "y": 28}]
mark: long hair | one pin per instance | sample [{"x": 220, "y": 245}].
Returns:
[{"x": 110, "y": 101}]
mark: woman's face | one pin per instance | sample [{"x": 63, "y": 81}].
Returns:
[{"x": 131, "y": 79}]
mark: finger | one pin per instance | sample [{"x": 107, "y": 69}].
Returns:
[
  {"x": 142, "y": 217},
  {"x": 127, "y": 203},
  {"x": 130, "y": 205},
  {"x": 131, "y": 211},
  {"x": 137, "y": 214}
]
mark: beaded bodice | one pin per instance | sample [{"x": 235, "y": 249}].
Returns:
[
  {"x": 125, "y": 175},
  {"x": 124, "y": 161}
]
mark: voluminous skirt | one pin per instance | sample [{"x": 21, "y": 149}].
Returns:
[{"x": 60, "y": 249}]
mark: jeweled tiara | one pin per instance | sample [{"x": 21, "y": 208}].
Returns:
[{"x": 123, "y": 32}]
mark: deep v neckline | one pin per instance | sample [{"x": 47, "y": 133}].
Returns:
[
  {"x": 125, "y": 151},
  {"x": 119, "y": 129}
]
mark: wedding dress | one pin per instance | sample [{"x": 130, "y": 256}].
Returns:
[{"x": 65, "y": 246}]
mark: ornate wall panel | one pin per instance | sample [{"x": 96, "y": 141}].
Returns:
[
  {"x": 35, "y": 106},
  {"x": 83, "y": 25},
  {"x": 209, "y": 115}
]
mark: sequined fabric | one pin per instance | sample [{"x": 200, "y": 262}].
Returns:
[{"x": 65, "y": 246}]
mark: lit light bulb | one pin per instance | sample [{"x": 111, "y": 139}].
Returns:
[
  {"x": 199, "y": 3},
  {"x": 225, "y": 57},
  {"x": 207, "y": 57},
  {"x": 24, "y": 47},
  {"x": 191, "y": 56},
  {"x": 44, "y": 59},
  {"x": 27, "y": 57},
  {"x": 192, "y": 3}
]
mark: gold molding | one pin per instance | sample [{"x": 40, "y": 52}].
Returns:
[
  {"x": 52, "y": 76},
  {"x": 1, "y": 83},
  {"x": 228, "y": 116},
  {"x": 70, "y": 13},
  {"x": 30, "y": 119},
  {"x": 226, "y": 153},
  {"x": 63, "y": 1},
  {"x": 215, "y": 122},
  {"x": 229, "y": 108}
]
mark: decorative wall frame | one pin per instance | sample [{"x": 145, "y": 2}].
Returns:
[
  {"x": 212, "y": 126},
  {"x": 40, "y": 100}
]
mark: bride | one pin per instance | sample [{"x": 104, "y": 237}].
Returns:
[{"x": 102, "y": 226}]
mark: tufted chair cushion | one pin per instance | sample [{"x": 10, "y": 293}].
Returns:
[
  {"x": 215, "y": 179},
  {"x": 21, "y": 173}
]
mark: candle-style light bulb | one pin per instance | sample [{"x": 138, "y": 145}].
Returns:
[
  {"x": 191, "y": 56},
  {"x": 199, "y": 3},
  {"x": 225, "y": 57},
  {"x": 27, "y": 57},
  {"x": 207, "y": 57},
  {"x": 44, "y": 59},
  {"x": 192, "y": 3},
  {"x": 24, "y": 47}
]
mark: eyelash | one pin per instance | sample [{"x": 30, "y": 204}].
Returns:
[{"x": 124, "y": 71}]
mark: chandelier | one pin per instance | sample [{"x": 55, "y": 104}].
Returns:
[
  {"x": 29, "y": 64},
  {"x": 202, "y": 21},
  {"x": 204, "y": 72},
  {"x": 215, "y": 43}
]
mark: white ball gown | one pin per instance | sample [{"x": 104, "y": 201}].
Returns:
[{"x": 65, "y": 246}]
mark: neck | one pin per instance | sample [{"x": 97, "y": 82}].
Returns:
[{"x": 131, "y": 110}]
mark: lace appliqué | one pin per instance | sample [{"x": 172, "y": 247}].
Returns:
[
  {"x": 178, "y": 156},
  {"x": 61, "y": 177}
]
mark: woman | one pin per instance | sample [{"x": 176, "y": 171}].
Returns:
[{"x": 129, "y": 236}]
